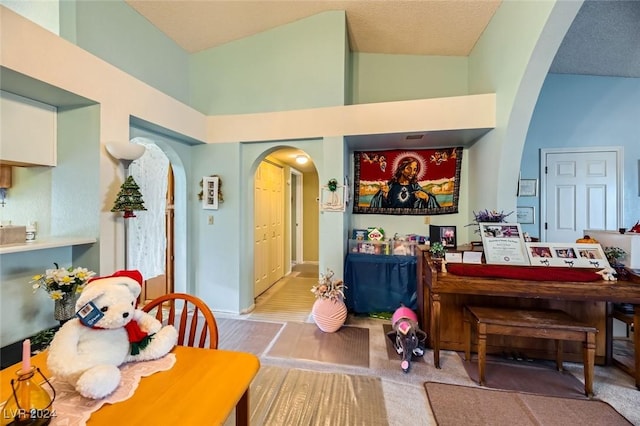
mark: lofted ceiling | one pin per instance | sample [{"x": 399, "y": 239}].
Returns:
[
  {"x": 603, "y": 40},
  {"x": 414, "y": 27}
]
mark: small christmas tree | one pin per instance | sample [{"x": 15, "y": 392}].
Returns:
[{"x": 129, "y": 199}]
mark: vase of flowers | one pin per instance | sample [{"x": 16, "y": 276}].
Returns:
[
  {"x": 329, "y": 310},
  {"x": 488, "y": 216},
  {"x": 64, "y": 286}
]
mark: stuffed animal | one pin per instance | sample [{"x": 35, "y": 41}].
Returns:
[
  {"x": 608, "y": 274},
  {"x": 408, "y": 339},
  {"x": 108, "y": 330}
]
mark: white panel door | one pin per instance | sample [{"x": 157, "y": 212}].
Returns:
[
  {"x": 261, "y": 227},
  {"x": 276, "y": 223},
  {"x": 268, "y": 226},
  {"x": 580, "y": 192}
]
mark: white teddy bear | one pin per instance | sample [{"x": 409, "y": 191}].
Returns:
[{"x": 107, "y": 331}]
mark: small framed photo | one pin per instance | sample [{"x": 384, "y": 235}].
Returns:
[
  {"x": 444, "y": 234},
  {"x": 528, "y": 187},
  {"x": 210, "y": 192},
  {"x": 526, "y": 215},
  {"x": 567, "y": 255}
]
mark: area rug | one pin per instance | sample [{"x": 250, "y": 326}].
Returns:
[
  {"x": 391, "y": 351},
  {"x": 349, "y": 345},
  {"x": 246, "y": 335},
  {"x": 537, "y": 376},
  {"x": 280, "y": 396},
  {"x": 464, "y": 405}
]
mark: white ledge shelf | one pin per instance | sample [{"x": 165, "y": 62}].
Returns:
[{"x": 45, "y": 243}]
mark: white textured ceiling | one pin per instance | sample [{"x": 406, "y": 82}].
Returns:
[
  {"x": 603, "y": 40},
  {"x": 415, "y": 27}
]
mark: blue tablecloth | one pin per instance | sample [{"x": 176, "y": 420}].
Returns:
[{"x": 379, "y": 283}]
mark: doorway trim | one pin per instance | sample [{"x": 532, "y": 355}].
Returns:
[
  {"x": 543, "y": 179},
  {"x": 298, "y": 255}
]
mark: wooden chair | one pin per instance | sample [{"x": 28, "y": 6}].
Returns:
[{"x": 192, "y": 308}]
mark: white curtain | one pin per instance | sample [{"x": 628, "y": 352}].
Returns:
[{"x": 146, "y": 232}]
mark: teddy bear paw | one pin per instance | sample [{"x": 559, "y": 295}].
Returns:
[{"x": 99, "y": 381}]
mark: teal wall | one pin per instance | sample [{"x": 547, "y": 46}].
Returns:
[
  {"x": 65, "y": 203},
  {"x": 115, "y": 32},
  {"x": 511, "y": 59},
  {"x": 586, "y": 111},
  {"x": 295, "y": 66},
  {"x": 75, "y": 204},
  {"x": 388, "y": 78},
  {"x": 216, "y": 248}
]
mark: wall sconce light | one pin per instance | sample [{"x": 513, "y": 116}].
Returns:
[{"x": 302, "y": 159}]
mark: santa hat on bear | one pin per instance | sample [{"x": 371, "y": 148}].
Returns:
[
  {"x": 95, "y": 286},
  {"x": 118, "y": 276}
]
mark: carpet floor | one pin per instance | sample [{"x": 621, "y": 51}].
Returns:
[
  {"x": 391, "y": 351},
  {"x": 457, "y": 405}
]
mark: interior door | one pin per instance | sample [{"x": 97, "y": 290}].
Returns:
[
  {"x": 163, "y": 284},
  {"x": 580, "y": 192},
  {"x": 276, "y": 223},
  {"x": 261, "y": 221},
  {"x": 268, "y": 226}
]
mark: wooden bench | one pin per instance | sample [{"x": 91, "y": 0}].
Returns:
[{"x": 545, "y": 324}]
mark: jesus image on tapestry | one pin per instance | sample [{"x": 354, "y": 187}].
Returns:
[{"x": 403, "y": 182}]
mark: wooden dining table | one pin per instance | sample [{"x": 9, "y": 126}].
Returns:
[{"x": 203, "y": 387}]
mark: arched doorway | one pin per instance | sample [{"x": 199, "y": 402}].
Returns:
[{"x": 285, "y": 216}]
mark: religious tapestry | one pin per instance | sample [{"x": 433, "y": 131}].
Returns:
[{"x": 407, "y": 182}]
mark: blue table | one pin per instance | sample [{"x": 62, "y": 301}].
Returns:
[{"x": 379, "y": 283}]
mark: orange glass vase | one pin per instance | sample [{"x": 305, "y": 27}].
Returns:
[{"x": 29, "y": 404}]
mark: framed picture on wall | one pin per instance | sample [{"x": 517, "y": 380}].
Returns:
[
  {"x": 210, "y": 186},
  {"x": 528, "y": 188},
  {"x": 526, "y": 215}
]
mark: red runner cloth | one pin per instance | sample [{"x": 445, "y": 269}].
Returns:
[{"x": 530, "y": 273}]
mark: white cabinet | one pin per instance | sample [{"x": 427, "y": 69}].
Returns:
[
  {"x": 629, "y": 242},
  {"x": 27, "y": 131}
]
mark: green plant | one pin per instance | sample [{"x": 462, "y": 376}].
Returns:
[
  {"x": 614, "y": 254},
  {"x": 437, "y": 249},
  {"x": 43, "y": 338}
]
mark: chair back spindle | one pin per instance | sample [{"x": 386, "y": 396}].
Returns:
[{"x": 191, "y": 331}]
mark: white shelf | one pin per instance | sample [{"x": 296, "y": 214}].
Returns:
[
  {"x": 629, "y": 242},
  {"x": 45, "y": 243}
]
